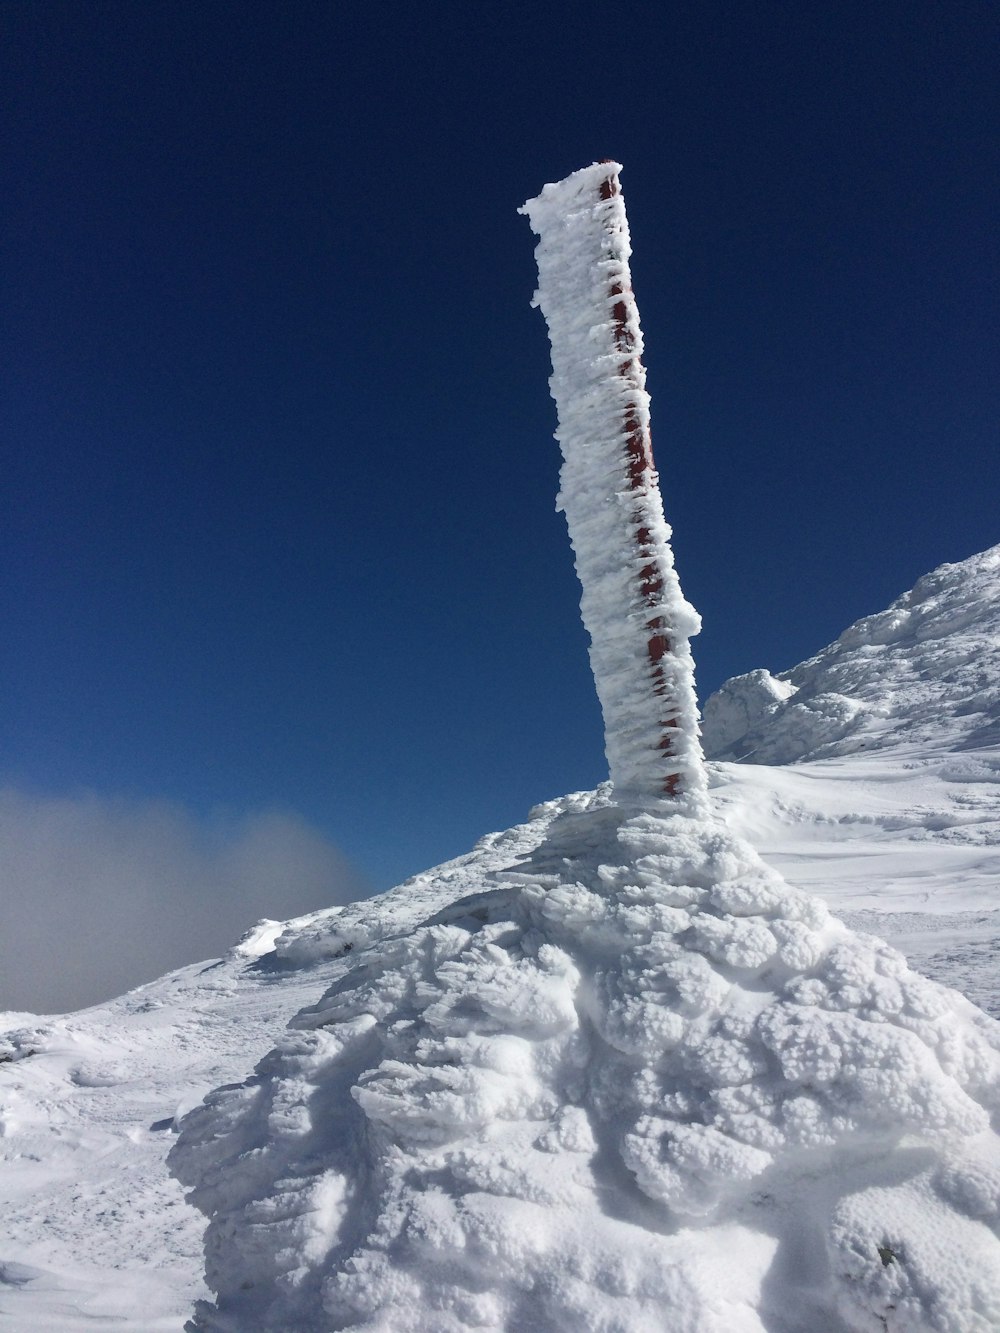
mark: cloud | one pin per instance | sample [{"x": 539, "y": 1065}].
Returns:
[{"x": 101, "y": 894}]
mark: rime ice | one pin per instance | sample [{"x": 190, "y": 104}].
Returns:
[
  {"x": 637, "y": 618},
  {"x": 609, "y": 1070},
  {"x": 630, "y": 1078},
  {"x": 926, "y": 671}
]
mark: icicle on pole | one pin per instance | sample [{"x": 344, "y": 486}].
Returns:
[{"x": 634, "y": 611}]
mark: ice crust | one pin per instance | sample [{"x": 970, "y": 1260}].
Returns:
[
  {"x": 583, "y": 258},
  {"x": 926, "y": 671},
  {"x": 635, "y": 1081}
]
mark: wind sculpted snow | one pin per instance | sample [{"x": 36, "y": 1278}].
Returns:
[
  {"x": 639, "y": 622},
  {"x": 923, "y": 673},
  {"x": 634, "y": 1080}
]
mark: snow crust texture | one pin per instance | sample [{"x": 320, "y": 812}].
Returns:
[
  {"x": 635, "y": 613},
  {"x": 633, "y": 1081},
  {"x": 924, "y": 672}
]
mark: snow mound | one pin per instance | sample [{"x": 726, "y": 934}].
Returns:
[
  {"x": 924, "y": 672},
  {"x": 633, "y": 1081}
]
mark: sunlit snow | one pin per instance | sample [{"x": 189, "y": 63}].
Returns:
[
  {"x": 631, "y": 1065},
  {"x": 95, "y": 1230},
  {"x": 608, "y": 488}
]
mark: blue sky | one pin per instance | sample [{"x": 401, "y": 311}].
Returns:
[{"x": 279, "y": 475}]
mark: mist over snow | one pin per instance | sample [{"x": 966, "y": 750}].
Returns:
[{"x": 101, "y": 894}]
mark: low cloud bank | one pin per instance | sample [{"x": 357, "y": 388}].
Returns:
[{"x": 101, "y": 894}]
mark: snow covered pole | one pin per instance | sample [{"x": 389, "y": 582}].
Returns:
[{"x": 633, "y": 608}]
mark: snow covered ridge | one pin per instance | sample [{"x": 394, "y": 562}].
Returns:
[
  {"x": 924, "y": 672},
  {"x": 634, "y": 1080}
]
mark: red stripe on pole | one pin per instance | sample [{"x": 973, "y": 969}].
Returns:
[{"x": 642, "y": 479}]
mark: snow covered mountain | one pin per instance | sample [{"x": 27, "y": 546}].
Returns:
[
  {"x": 611, "y": 1070},
  {"x": 606, "y": 1065},
  {"x": 923, "y": 673},
  {"x": 630, "y": 1078}
]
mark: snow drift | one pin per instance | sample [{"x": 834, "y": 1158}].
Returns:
[
  {"x": 634, "y": 1081},
  {"x": 925, "y": 672}
]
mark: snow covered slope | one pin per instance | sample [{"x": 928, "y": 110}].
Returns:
[
  {"x": 95, "y": 1234},
  {"x": 908, "y": 848},
  {"x": 888, "y": 800},
  {"x": 633, "y": 1080},
  {"x": 605, "y": 1066},
  {"x": 924, "y": 673}
]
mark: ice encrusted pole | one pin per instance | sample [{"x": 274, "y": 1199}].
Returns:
[{"x": 635, "y": 613}]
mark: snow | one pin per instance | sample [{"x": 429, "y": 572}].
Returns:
[
  {"x": 639, "y": 622},
  {"x": 95, "y": 1232},
  {"x": 98, "y": 1234},
  {"x": 926, "y": 672},
  {"x": 633, "y": 1072},
  {"x": 611, "y": 1065},
  {"x": 619, "y": 1067}
]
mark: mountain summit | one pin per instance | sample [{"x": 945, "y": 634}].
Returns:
[
  {"x": 614, "y": 1071},
  {"x": 611, "y": 1070},
  {"x": 923, "y": 673}
]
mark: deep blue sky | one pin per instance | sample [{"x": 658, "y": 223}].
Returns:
[{"x": 278, "y": 467}]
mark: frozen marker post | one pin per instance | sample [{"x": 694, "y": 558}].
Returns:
[{"x": 633, "y": 608}]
